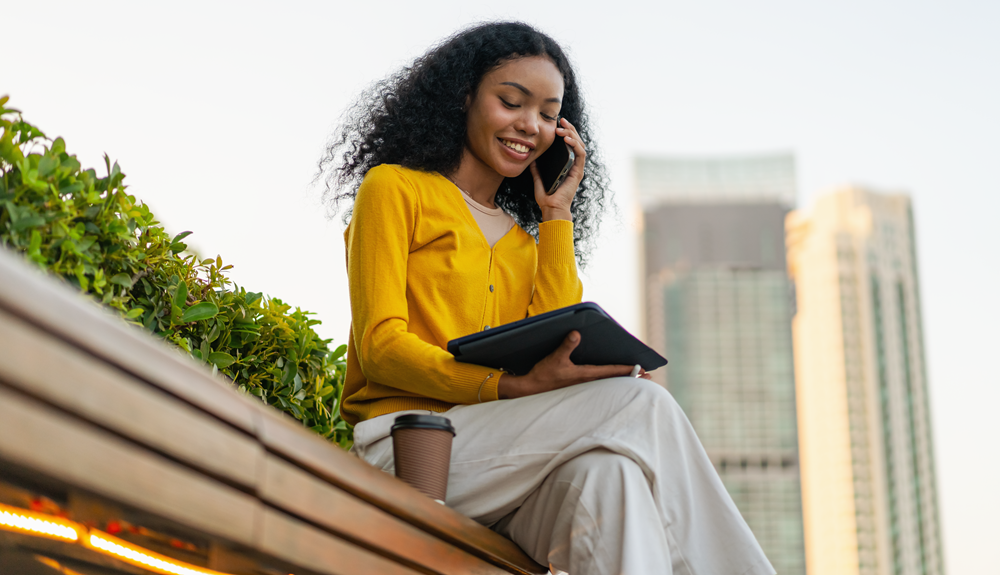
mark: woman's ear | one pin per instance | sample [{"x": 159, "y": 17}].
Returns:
[{"x": 468, "y": 102}]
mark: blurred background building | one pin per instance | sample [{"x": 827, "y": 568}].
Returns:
[
  {"x": 864, "y": 423},
  {"x": 719, "y": 307}
]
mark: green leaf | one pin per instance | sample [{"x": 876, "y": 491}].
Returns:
[
  {"x": 200, "y": 311},
  {"x": 71, "y": 164},
  {"x": 339, "y": 352},
  {"x": 28, "y": 222},
  {"x": 175, "y": 313},
  {"x": 221, "y": 359},
  {"x": 289, "y": 373},
  {"x": 134, "y": 313},
  {"x": 180, "y": 237},
  {"x": 72, "y": 188},
  {"x": 123, "y": 280},
  {"x": 47, "y": 165},
  {"x": 34, "y": 247},
  {"x": 180, "y": 296}
]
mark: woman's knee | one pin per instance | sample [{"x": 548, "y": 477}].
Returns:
[
  {"x": 639, "y": 390},
  {"x": 598, "y": 465}
]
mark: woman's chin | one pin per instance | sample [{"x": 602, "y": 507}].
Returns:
[{"x": 512, "y": 170}]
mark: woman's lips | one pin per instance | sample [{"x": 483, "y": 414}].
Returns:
[{"x": 514, "y": 149}]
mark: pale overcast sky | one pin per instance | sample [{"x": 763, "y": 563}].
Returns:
[{"x": 218, "y": 112}]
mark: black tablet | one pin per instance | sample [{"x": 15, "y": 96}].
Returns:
[{"x": 517, "y": 347}]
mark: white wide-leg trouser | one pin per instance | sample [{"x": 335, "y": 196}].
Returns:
[{"x": 602, "y": 478}]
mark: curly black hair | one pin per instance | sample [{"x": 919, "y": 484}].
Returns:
[{"x": 416, "y": 118}]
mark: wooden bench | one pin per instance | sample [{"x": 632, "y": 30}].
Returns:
[{"x": 113, "y": 425}]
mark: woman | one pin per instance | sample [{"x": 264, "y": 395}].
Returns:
[{"x": 587, "y": 470}]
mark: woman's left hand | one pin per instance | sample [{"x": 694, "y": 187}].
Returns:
[{"x": 557, "y": 206}]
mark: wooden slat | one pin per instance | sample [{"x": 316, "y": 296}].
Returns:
[
  {"x": 290, "y": 488},
  {"x": 56, "y": 445},
  {"x": 60, "y": 374},
  {"x": 303, "y": 545},
  {"x": 59, "y": 309},
  {"x": 390, "y": 494}
]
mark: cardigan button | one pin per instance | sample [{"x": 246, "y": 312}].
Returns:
[
  {"x": 486, "y": 328},
  {"x": 491, "y": 288}
]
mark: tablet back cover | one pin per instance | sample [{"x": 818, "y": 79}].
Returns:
[{"x": 517, "y": 347}]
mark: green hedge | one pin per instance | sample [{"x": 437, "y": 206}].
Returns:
[{"x": 87, "y": 230}]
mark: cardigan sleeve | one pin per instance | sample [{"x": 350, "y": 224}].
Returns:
[
  {"x": 557, "y": 283},
  {"x": 386, "y": 212}
]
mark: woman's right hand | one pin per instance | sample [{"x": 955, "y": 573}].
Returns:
[
  {"x": 558, "y": 206},
  {"x": 557, "y": 371}
]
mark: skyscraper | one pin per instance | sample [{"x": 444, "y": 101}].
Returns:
[
  {"x": 719, "y": 307},
  {"x": 868, "y": 482}
]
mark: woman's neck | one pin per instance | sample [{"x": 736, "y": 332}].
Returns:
[{"x": 477, "y": 179}]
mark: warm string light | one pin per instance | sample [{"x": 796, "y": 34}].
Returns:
[
  {"x": 142, "y": 557},
  {"x": 59, "y": 567},
  {"x": 31, "y": 523},
  {"x": 37, "y": 523}
]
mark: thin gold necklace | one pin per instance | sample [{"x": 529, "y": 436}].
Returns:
[{"x": 454, "y": 183}]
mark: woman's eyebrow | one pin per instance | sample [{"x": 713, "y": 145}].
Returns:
[{"x": 527, "y": 92}]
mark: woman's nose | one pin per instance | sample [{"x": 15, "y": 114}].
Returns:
[{"x": 527, "y": 124}]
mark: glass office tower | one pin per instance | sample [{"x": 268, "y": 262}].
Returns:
[
  {"x": 865, "y": 429},
  {"x": 719, "y": 307}
]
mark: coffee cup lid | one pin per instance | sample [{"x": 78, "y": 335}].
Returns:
[{"x": 419, "y": 421}]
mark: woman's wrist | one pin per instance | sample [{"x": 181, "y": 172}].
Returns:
[
  {"x": 556, "y": 214},
  {"x": 510, "y": 386}
]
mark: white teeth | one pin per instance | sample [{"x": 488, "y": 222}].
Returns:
[{"x": 515, "y": 146}]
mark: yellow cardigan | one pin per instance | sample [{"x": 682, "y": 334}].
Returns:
[{"x": 421, "y": 274}]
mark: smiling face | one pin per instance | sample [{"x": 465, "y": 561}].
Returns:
[{"x": 512, "y": 116}]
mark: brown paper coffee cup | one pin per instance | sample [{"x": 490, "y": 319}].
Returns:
[{"x": 421, "y": 446}]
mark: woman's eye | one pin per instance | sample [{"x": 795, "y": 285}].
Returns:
[
  {"x": 508, "y": 104},
  {"x": 549, "y": 118}
]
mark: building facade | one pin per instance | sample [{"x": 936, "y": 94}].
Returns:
[
  {"x": 719, "y": 307},
  {"x": 869, "y": 493}
]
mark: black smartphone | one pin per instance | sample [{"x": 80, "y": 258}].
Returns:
[{"x": 554, "y": 164}]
